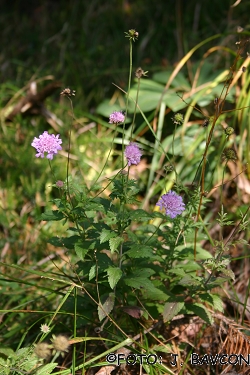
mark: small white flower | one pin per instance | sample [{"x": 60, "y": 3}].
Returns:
[{"x": 44, "y": 328}]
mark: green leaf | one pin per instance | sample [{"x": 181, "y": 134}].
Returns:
[
  {"x": 166, "y": 348},
  {"x": 215, "y": 282},
  {"x": 54, "y": 215},
  {"x": 46, "y": 369},
  {"x": 68, "y": 242},
  {"x": 106, "y": 306},
  {"x": 139, "y": 251},
  {"x": 153, "y": 293},
  {"x": 150, "y": 291},
  {"x": 114, "y": 275},
  {"x": 190, "y": 266},
  {"x": 81, "y": 249},
  {"x": 217, "y": 302},
  {"x": 2, "y": 366},
  {"x": 159, "y": 215},
  {"x": 178, "y": 271},
  {"x": 147, "y": 228},
  {"x": 187, "y": 251},
  {"x": 200, "y": 310},
  {"x": 137, "y": 282},
  {"x": 171, "y": 309},
  {"x": 90, "y": 214},
  {"x": 179, "y": 81},
  {"x": 228, "y": 273},
  {"x": 190, "y": 280},
  {"x": 214, "y": 300},
  {"x": 106, "y": 235},
  {"x": 140, "y": 215},
  {"x": 143, "y": 272},
  {"x": 114, "y": 243},
  {"x": 6, "y": 352},
  {"x": 92, "y": 272},
  {"x": 111, "y": 218},
  {"x": 132, "y": 236},
  {"x": 151, "y": 93},
  {"x": 103, "y": 263},
  {"x": 93, "y": 206}
]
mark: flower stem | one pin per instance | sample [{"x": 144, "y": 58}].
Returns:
[{"x": 127, "y": 96}]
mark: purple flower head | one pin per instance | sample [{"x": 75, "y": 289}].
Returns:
[
  {"x": 59, "y": 184},
  {"x": 133, "y": 154},
  {"x": 172, "y": 203},
  {"x": 116, "y": 118},
  {"x": 46, "y": 142}
]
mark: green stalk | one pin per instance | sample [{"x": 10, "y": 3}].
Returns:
[
  {"x": 127, "y": 96},
  {"x": 136, "y": 103}
]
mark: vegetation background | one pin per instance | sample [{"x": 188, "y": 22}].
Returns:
[{"x": 80, "y": 44}]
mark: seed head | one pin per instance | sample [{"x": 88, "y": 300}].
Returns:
[
  {"x": 43, "y": 350},
  {"x": 60, "y": 343},
  {"x": 168, "y": 168},
  {"x": 68, "y": 92},
  {"x": 229, "y": 154},
  {"x": 140, "y": 72}
]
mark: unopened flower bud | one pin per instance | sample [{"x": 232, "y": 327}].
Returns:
[
  {"x": 229, "y": 130},
  {"x": 168, "y": 168},
  {"x": 178, "y": 119},
  {"x": 229, "y": 154},
  {"x": 132, "y": 34}
]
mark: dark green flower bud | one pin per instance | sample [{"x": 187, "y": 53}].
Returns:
[{"x": 229, "y": 130}]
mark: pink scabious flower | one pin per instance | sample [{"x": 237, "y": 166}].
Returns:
[
  {"x": 172, "y": 203},
  {"x": 116, "y": 118},
  {"x": 133, "y": 154},
  {"x": 46, "y": 142},
  {"x": 59, "y": 184}
]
